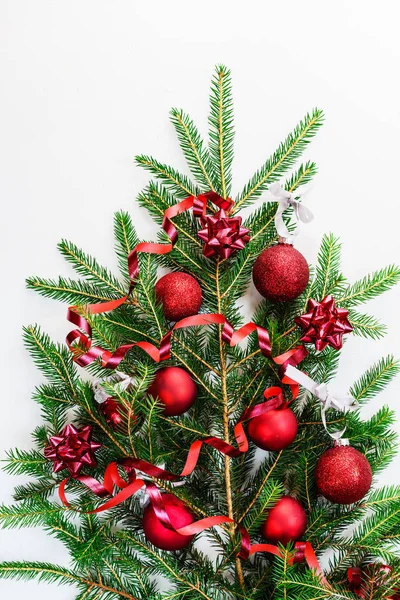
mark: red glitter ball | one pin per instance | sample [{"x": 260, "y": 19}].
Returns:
[
  {"x": 159, "y": 535},
  {"x": 180, "y": 295},
  {"x": 275, "y": 430},
  {"x": 175, "y": 389},
  {"x": 281, "y": 273},
  {"x": 286, "y": 522},
  {"x": 343, "y": 475}
]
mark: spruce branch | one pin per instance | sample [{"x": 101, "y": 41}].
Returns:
[
  {"x": 178, "y": 184},
  {"x": 376, "y": 378},
  {"x": 89, "y": 268},
  {"x": 282, "y": 159},
  {"x": 68, "y": 290},
  {"x": 221, "y": 128},
  {"x": 193, "y": 148},
  {"x": 125, "y": 240},
  {"x": 370, "y": 287},
  {"x": 366, "y": 326}
]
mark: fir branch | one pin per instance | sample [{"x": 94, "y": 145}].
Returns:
[
  {"x": 193, "y": 148},
  {"x": 24, "y": 462},
  {"x": 366, "y": 326},
  {"x": 88, "y": 267},
  {"x": 67, "y": 290},
  {"x": 376, "y": 378},
  {"x": 178, "y": 184},
  {"x": 328, "y": 268},
  {"x": 370, "y": 286},
  {"x": 125, "y": 240},
  {"x": 53, "y": 360},
  {"x": 221, "y": 128},
  {"x": 282, "y": 159},
  {"x": 302, "y": 176}
]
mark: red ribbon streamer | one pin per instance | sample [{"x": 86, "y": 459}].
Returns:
[{"x": 354, "y": 577}]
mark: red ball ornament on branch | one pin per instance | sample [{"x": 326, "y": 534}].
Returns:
[
  {"x": 116, "y": 414},
  {"x": 324, "y": 324},
  {"x": 72, "y": 449},
  {"x": 281, "y": 273},
  {"x": 223, "y": 235},
  {"x": 159, "y": 535},
  {"x": 343, "y": 475},
  {"x": 175, "y": 389},
  {"x": 286, "y": 522},
  {"x": 179, "y": 294},
  {"x": 275, "y": 430}
]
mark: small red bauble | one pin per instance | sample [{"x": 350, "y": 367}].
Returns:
[
  {"x": 116, "y": 414},
  {"x": 286, "y": 522},
  {"x": 159, "y": 535},
  {"x": 281, "y": 273},
  {"x": 343, "y": 475},
  {"x": 175, "y": 389},
  {"x": 179, "y": 294},
  {"x": 275, "y": 430}
]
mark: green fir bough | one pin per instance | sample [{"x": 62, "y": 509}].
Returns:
[{"x": 110, "y": 557}]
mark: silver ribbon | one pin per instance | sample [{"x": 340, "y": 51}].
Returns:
[
  {"x": 123, "y": 380},
  {"x": 288, "y": 199},
  {"x": 320, "y": 391}
]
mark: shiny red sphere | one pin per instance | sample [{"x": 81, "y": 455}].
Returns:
[
  {"x": 343, "y": 475},
  {"x": 175, "y": 389},
  {"x": 281, "y": 273},
  {"x": 286, "y": 522},
  {"x": 159, "y": 535},
  {"x": 275, "y": 430},
  {"x": 179, "y": 294}
]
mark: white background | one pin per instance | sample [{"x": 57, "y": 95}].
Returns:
[{"x": 86, "y": 85}]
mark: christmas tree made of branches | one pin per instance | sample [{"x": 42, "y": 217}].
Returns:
[{"x": 268, "y": 492}]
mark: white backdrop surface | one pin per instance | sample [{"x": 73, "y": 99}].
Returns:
[{"x": 86, "y": 85}]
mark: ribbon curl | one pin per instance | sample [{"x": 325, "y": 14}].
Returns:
[{"x": 285, "y": 200}]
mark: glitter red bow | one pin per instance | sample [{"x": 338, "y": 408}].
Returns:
[
  {"x": 223, "y": 235},
  {"x": 72, "y": 449},
  {"x": 324, "y": 324}
]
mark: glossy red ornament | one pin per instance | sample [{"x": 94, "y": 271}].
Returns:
[
  {"x": 222, "y": 234},
  {"x": 343, "y": 475},
  {"x": 281, "y": 273},
  {"x": 275, "y": 430},
  {"x": 159, "y": 535},
  {"x": 72, "y": 449},
  {"x": 324, "y": 324},
  {"x": 175, "y": 389},
  {"x": 116, "y": 414},
  {"x": 179, "y": 294},
  {"x": 286, "y": 522}
]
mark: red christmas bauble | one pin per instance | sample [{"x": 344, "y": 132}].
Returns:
[
  {"x": 275, "y": 430},
  {"x": 281, "y": 273},
  {"x": 175, "y": 389},
  {"x": 343, "y": 475},
  {"x": 159, "y": 535},
  {"x": 179, "y": 294},
  {"x": 116, "y": 414},
  {"x": 286, "y": 522}
]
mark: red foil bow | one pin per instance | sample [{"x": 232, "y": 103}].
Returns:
[
  {"x": 72, "y": 449},
  {"x": 223, "y": 235},
  {"x": 324, "y": 324}
]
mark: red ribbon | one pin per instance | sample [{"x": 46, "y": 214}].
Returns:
[{"x": 355, "y": 579}]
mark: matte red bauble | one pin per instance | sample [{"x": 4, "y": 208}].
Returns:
[
  {"x": 179, "y": 294},
  {"x": 275, "y": 430},
  {"x": 286, "y": 522},
  {"x": 281, "y": 273},
  {"x": 175, "y": 389},
  {"x": 343, "y": 475},
  {"x": 159, "y": 535}
]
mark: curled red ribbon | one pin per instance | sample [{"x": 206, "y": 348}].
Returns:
[{"x": 355, "y": 578}]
